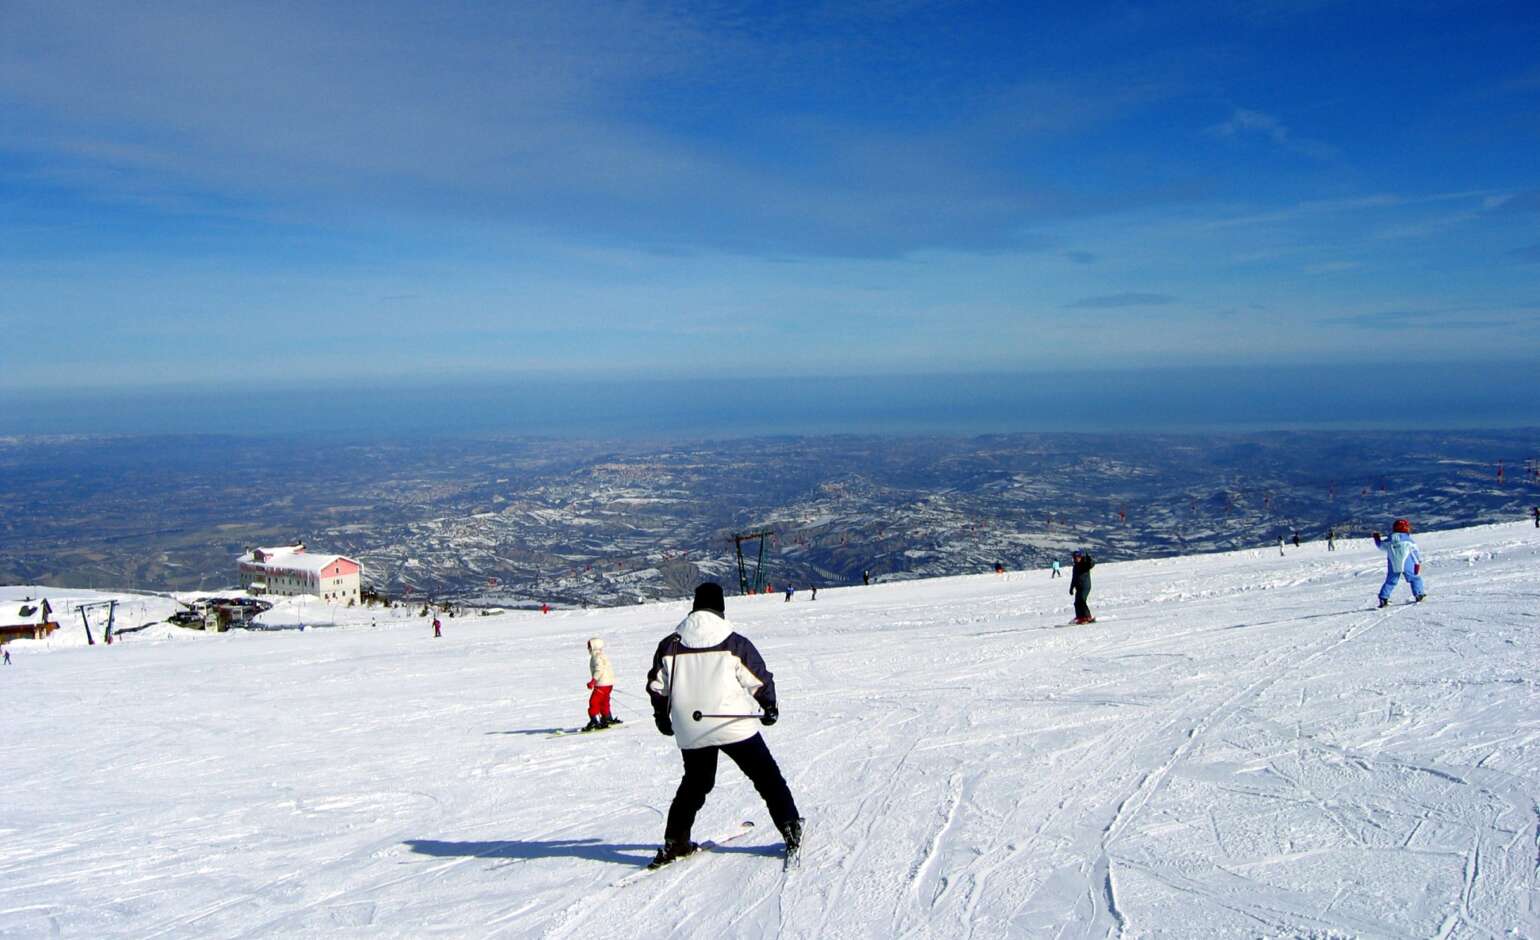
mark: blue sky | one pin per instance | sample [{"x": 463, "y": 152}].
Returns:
[{"x": 443, "y": 190}]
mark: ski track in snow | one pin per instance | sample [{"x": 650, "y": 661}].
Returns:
[{"x": 1242, "y": 746}]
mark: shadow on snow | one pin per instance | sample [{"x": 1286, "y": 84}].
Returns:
[{"x": 591, "y": 850}]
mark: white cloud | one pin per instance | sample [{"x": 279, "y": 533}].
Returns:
[{"x": 1245, "y": 122}]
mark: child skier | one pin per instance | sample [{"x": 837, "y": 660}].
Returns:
[
  {"x": 1401, "y": 558},
  {"x": 1056, "y": 572},
  {"x": 601, "y": 681},
  {"x": 438, "y": 628}
]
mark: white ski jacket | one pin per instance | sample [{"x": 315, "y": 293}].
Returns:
[
  {"x": 599, "y": 664},
  {"x": 705, "y": 666}
]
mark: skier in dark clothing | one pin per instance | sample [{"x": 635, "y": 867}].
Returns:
[
  {"x": 1331, "y": 540},
  {"x": 866, "y": 578},
  {"x": 1296, "y": 538},
  {"x": 1080, "y": 585},
  {"x": 1536, "y": 512},
  {"x": 705, "y": 666}
]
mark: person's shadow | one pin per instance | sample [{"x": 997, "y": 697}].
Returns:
[
  {"x": 589, "y": 849},
  {"x": 545, "y": 731}
]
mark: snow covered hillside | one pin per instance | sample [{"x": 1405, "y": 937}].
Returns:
[{"x": 1242, "y": 746}]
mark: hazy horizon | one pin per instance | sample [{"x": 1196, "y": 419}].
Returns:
[{"x": 1421, "y": 397}]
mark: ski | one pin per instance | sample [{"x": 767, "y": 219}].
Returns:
[
  {"x": 580, "y": 733},
  {"x": 744, "y": 828}
]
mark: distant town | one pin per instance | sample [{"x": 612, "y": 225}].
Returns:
[{"x": 526, "y": 522}]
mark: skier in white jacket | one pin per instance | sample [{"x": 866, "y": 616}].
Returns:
[
  {"x": 705, "y": 668},
  {"x": 601, "y": 679}
]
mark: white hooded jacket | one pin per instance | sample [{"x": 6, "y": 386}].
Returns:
[
  {"x": 599, "y": 664},
  {"x": 705, "y": 666}
]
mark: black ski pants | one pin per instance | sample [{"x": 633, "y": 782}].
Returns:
[
  {"x": 1082, "y": 609},
  {"x": 700, "y": 775}
]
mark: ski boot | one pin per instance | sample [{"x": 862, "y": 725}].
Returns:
[
  {"x": 672, "y": 851},
  {"x": 593, "y": 725},
  {"x": 1420, "y": 597},
  {"x": 1384, "y": 602},
  {"x": 609, "y": 720},
  {"x": 792, "y": 833}
]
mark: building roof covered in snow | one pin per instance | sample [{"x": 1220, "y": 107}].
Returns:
[
  {"x": 290, "y": 558},
  {"x": 17, "y": 613}
]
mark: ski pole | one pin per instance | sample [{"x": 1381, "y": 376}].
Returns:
[{"x": 698, "y": 716}]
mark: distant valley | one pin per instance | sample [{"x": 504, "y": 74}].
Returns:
[{"x": 521, "y": 521}]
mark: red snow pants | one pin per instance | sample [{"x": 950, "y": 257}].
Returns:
[{"x": 599, "y": 701}]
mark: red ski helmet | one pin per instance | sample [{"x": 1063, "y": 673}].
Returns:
[{"x": 1402, "y": 525}]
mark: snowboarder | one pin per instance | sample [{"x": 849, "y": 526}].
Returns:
[
  {"x": 1401, "y": 558},
  {"x": 1080, "y": 584},
  {"x": 1331, "y": 540},
  {"x": 438, "y": 629},
  {"x": 704, "y": 666},
  {"x": 601, "y": 680},
  {"x": 1056, "y": 572}
]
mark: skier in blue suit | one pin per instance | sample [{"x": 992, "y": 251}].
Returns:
[{"x": 1401, "y": 558}]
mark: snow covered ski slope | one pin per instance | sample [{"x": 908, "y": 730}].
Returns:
[{"x": 1242, "y": 746}]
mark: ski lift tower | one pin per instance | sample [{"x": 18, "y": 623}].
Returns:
[
  {"x": 745, "y": 585},
  {"x": 112, "y": 609}
]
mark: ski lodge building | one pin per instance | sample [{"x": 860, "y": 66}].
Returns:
[
  {"x": 26, "y": 620},
  {"x": 288, "y": 570}
]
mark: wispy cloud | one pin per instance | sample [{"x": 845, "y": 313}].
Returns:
[
  {"x": 1247, "y": 123},
  {"x": 1129, "y": 299},
  {"x": 1332, "y": 267},
  {"x": 1436, "y": 319}
]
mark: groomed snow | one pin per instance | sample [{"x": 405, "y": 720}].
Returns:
[{"x": 1241, "y": 747}]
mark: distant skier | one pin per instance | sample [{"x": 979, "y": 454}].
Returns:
[
  {"x": 1331, "y": 540},
  {"x": 1056, "y": 572},
  {"x": 1296, "y": 538},
  {"x": 1401, "y": 558},
  {"x": 866, "y": 577},
  {"x": 814, "y": 589},
  {"x": 1080, "y": 585},
  {"x": 999, "y": 568},
  {"x": 438, "y": 629},
  {"x": 1280, "y": 546},
  {"x": 1536, "y": 513},
  {"x": 601, "y": 680},
  {"x": 7, "y": 657},
  {"x": 789, "y": 592},
  {"x": 545, "y": 608},
  {"x": 705, "y": 666}
]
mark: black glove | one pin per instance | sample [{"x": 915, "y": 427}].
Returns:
[
  {"x": 665, "y": 726},
  {"x": 771, "y": 715}
]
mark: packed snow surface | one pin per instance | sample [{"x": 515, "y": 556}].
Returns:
[{"x": 1242, "y": 746}]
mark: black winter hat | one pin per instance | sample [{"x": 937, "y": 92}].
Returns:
[{"x": 709, "y": 597}]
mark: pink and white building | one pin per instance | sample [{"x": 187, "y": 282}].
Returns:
[{"x": 288, "y": 570}]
